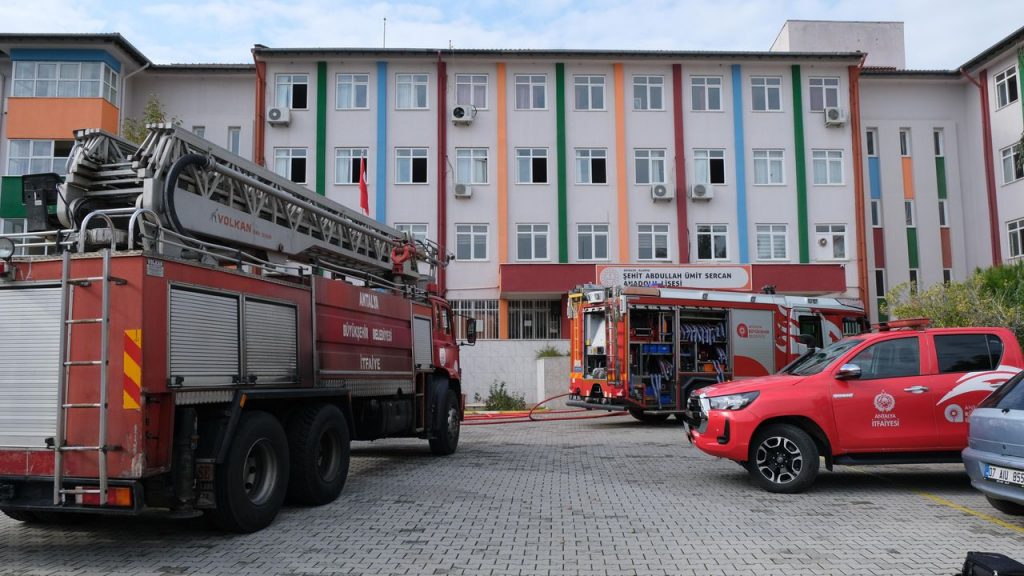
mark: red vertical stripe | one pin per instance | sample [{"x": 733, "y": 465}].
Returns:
[
  {"x": 878, "y": 240},
  {"x": 680, "y": 163}
]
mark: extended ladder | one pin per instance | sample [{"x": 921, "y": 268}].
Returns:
[{"x": 64, "y": 379}]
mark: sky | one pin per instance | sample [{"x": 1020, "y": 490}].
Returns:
[{"x": 939, "y": 34}]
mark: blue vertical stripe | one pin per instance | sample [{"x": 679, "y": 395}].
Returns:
[
  {"x": 382, "y": 142},
  {"x": 874, "y": 177},
  {"x": 741, "y": 163}
]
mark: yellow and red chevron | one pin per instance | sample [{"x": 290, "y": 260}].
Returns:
[{"x": 132, "y": 369}]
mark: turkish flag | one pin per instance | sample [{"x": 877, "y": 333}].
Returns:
[{"x": 364, "y": 196}]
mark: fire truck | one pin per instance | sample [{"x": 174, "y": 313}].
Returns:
[
  {"x": 189, "y": 332},
  {"x": 644, "y": 349}
]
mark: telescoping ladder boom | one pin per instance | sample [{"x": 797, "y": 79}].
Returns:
[{"x": 200, "y": 190}]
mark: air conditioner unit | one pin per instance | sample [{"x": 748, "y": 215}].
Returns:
[
  {"x": 278, "y": 116},
  {"x": 463, "y": 114},
  {"x": 702, "y": 192},
  {"x": 834, "y": 116},
  {"x": 463, "y": 191},
  {"x": 662, "y": 192}
]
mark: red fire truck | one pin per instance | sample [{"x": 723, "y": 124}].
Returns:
[
  {"x": 187, "y": 331},
  {"x": 645, "y": 349}
]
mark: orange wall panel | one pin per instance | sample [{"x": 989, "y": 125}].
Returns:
[{"x": 58, "y": 118}]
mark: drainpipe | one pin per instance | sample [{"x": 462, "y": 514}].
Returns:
[
  {"x": 858, "y": 184},
  {"x": 124, "y": 82},
  {"x": 990, "y": 177},
  {"x": 442, "y": 179},
  {"x": 261, "y": 103},
  {"x": 3, "y": 114}
]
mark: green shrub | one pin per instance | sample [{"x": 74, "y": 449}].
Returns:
[
  {"x": 500, "y": 399},
  {"x": 550, "y": 351}
]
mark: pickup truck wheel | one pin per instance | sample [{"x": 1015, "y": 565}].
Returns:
[
  {"x": 647, "y": 418},
  {"x": 446, "y": 439},
  {"x": 250, "y": 485},
  {"x": 318, "y": 442},
  {"x": 20, "y": 515},
  {"x": 1005, "y": 506},
  {"x": 783, "y": 459}
]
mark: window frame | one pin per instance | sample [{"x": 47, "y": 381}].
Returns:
[
  {"x": 939, "y": 142},
  {"x": 291, "y": 83},
  {"x": 530, "y": 81},
  {"x": 1015, "y": 228},
  {"x": 906, "y": 145},
  {"x": 593, "y": 84},
  {"x": 706, "y": 155},
  {"x": 590, "y": 158},
  {"x": 291, "y": 157},
  {"x": 769, "y": 160},
  {"x": 56, "y": 164},
  {"x": 473, "y": 232},
  {"x": 831, "y": 235},
  {"x": 412, "y": 227},
  {"x": 472, "y": 83},
  {"x": 765, "y": 88},
  {"x": 828, "y": 160},
  {"x": 364, "y": 152},
  {"x": 871, "y": 142},
  {"x": 653, "y": 157},
  {"x": 472, "y": 155},
  {"x": 910, "y": 213},
  {"x": 415, "y": 81},
  {"x": 353, "y": 94},
  {"x": 413, "y": 154},
  {"x": 656, "y": 230},
  {"x": 706, "y": 88},
  {"x": 872, "y": 375},
  {"x": 105, "y": 83},
  {"x": 593, "y": 234},
  {"x": 713, "y": 231},
  {"x": 943, "y": 213},
  {"x": 649, "y": 88},
  {"x": 1010, "y": 161},
  {"x": 825, "y": 89},
  {"x": 875, "y": 213},
  {"x": 234, "y": 143},
  {"x": 529, "y": 159},
  {"x": 1004, "y": 84},
  {"x": 534, "y": 232},
  {"x": 773, "y": 233}
]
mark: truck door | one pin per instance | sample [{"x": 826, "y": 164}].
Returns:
[
  {"x": 967, "y": 370},
  {"x": 807, "y": 322},
  {"x": 444, "y": 339},
  {"x": 890, "y": 406}
]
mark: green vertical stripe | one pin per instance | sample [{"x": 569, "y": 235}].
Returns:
[
  {"x": 11, "y": 203},
  {"x": 321, "y": 128},
  {"x": 912, "y": 247},
  {"x": 563, "y": 200},
  {"x": 801, "y": 166},
  {"x": 940, "y": 176}
]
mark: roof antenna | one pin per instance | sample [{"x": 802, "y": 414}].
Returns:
[{"x": 384, "y": 41}]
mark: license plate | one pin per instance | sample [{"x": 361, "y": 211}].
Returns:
[{"x": 1004, "y": 475}]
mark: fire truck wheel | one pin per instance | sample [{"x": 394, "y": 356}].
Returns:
[
  {"x": 783, "y": 459},
  {"x": 1006, "y": 507},
  {"x": 20, "y": 515},
  {"x": 252, "y": 482},
  {"x": 647, "y": 418},
  {"x": 318, "y": 441},
  {"x": 447, "y": 437}
]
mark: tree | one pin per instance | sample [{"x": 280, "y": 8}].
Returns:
[{"x": 134, "y": 129}]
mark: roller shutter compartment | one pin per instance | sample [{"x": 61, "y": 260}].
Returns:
[{"x": 204, "y": 338}]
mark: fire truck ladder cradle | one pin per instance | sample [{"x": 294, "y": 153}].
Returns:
[{"x": 64, "y": 377}]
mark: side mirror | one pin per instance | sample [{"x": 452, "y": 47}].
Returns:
[
  {"x": 848, "y": 372},
  {"x": 809, "y": 341},
  {"x": 471, "y": 331}
]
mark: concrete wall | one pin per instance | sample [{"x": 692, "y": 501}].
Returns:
[
  {"x": 882, "y": 41},
  {"x": 509, "y": 361}
]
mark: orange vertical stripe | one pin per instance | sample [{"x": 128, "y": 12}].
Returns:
[
  {"x": 620, "y": 163},
  {"x": 908, "y": 178},
  {"x": 502, "y": 166},
  {"x": 947, "y": 248},
  {"x": 503, "y": 319}
]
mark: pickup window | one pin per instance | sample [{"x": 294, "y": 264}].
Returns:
[
  {"x": 894, "y": 358},
  {"x": 819, "y": 360},
  {"x": 968, "y": 352}
]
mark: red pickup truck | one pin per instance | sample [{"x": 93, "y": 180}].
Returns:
[{"x": 887, "y": 397}]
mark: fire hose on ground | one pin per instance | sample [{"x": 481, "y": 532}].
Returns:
[{"x": 521, "y": 416}]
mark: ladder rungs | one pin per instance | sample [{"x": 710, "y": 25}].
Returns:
[
  {"x": 85, "y": 321},
  {"x": 84, "y": 363},
  {"x": 80, "y": 491},
  {"x": 82, "y": 448},
  {"x": 94, "y": 405},
  {"x": 87, "y": 279}
]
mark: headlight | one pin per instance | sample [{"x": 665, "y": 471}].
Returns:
[
  {"x": 732, "y": 401},
  {"x": 6, "y": 248}
]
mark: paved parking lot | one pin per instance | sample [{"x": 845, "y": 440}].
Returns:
[{"x": 606, "y": 496}]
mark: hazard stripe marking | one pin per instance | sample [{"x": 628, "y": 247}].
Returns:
[{"x": 132, "y": 396}]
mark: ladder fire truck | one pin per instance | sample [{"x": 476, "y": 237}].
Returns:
[
  {"x": 645, "y": 349},
  {"x": 187, "y": 331}
]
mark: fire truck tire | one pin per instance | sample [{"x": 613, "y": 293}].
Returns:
[
  {"x": 318, "y": 441},
  {"x": 252, "y": 481},
  {"x": 1005, "y": 506},
  {"x": 783, "y": 459},
  {"x": 446, "y": 440},
  {"x": 20, "y": 515},
  {"x": 647, "y": 418}
]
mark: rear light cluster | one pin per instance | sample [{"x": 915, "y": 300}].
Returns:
[{"x": 116, "y": 496}]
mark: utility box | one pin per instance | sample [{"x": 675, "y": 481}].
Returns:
[{"x": 39, "y": 192}]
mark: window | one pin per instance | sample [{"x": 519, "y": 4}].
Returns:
[
  {"x": 706, "y": 93},
  {"x": 648, "y": 92},
  {"x": 590, "y": 166},
  {"x": 592, "y": 242},
  {"x": 909, "y": 213},
  {"x": 943, "y": 214},
  {"x": 896, "y": 358},
  {"x": 871, "y": 140},
  {"x": 652, "y": 241},
  {"x": 1009, "y": 396},
  {"x": 292, "y": 91},
  {"x": 947, "y": 275},
  {"x": 347, "y": 162},
  {"x": 199, "y": 131},
  {"x": 291, "y": 163},
  {"x": 531, "y": 165},
  {"x": 968, "y": 352},
  {"x": 1012, "y": 169},
  {"x": 771, "y": 242},
  {"x": 534, "y": 319},
  {"x": 939, "y": 142},
  {"x": 471, "y": 241},
  {"x": 485, "y": 312},
  {"x": 410, "y": 166},
  {"x": 914, "y": 280},
  {"x": 712, "y": 242},
  {"x": 352, "y": 92},
  {"x": 824, "y": 93},
  {"x": 65, "y": 80},
  {"x": 876, "y": 213},
  {"x": 417, "y": 231},
  {"x": 709, "y": 166},
  {"x": 832, "y": 236},
  {"x": 1006, "y": 87},
  {"x": 904, "y": 141},
  {"x": 37, "y": 156},
  {"x": 589, "y": 92},
  {"x": 1015, "y": 231},
  {"x": 411, "y": 91},
  {"x": 649, "y": 166},
  {"x": 768, "y": 167},
  {"x": 531, "y": 92},
  {"x": 471, "y": 89},
  {"x": 766, "y": 93},
  {"x": 532, "y": 241},
  {"x": 471, "y": 165},
  {"x": 14, "y": 226},
  {"x": 235, "y": 139},
  {"x": 879, "y": 282},
  {"x": 828, "y": 167}
]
